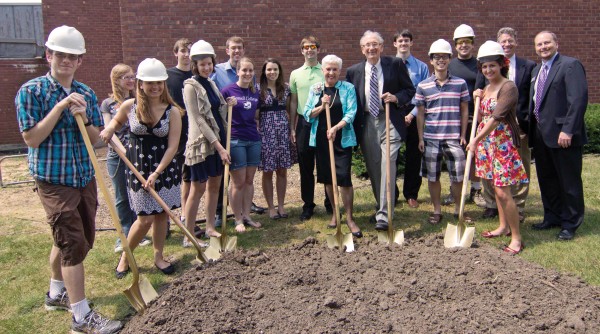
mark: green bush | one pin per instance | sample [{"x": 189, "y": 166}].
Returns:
[{"x": 592, "y": 124}]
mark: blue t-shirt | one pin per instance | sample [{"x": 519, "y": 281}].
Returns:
[{"x": 243, "y": 123}]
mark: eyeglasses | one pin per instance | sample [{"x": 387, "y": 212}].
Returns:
[
  {"x": 464, "y": 41},
  {"x": 69, "y": 56},
  {"x": 309, "y": 47},
  {"x": 371, "y": 45},
  {"x": 128, "y": 77},
  {"x": 440, "y": 57}
]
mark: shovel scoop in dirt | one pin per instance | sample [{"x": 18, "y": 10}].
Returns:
[
  {"x": 141, "y": 292},
  {"x": 461, "y": 235}
]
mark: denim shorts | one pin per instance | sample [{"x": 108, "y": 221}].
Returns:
[{"x": 244, "y": 153}]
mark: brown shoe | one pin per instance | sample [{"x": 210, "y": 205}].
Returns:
[{"x": 413, "y": 203}]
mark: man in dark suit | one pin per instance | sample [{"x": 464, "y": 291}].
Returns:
[
  {"x": 558, "y": 100},
  {"x": 520, "y": 73},
  {"x": 379, "y": 80}
]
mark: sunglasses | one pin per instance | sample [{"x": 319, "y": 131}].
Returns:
[{"x": 309, "y": 47}]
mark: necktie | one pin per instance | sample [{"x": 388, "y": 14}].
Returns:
[
  {"x": 374, "y": 93},
  {"x": 540, "y": 91}
]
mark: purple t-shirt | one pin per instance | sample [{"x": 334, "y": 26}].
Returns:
[{"x": 243, "y": 124}]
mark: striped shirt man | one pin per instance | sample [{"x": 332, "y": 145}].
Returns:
[
  {"x": 442, "y": 106},
  {"x": 62, "y": 158}
]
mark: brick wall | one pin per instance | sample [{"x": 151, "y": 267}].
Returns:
[{"x": 274, "y": 28}]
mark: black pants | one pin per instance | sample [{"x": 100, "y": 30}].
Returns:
[
  {"x": 306, "y": 164},
  {"x": 561, "y": 187},
  {"x": 412, "y": 164}
]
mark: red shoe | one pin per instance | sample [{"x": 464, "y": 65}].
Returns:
[
  {"x": 511, "y": 251},
  {"x": 490, "y": 235}
]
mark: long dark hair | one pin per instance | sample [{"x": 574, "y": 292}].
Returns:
[
  {"x": 264, "y": 82},
  {"x": 501, "y": 60}
]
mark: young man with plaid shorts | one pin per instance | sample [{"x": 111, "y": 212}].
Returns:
[{"x": 442, "y": 102}]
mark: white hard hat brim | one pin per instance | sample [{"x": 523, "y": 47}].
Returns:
[
  {"x": 65, "y": 50},
  {"x": 150, "y": 78}
]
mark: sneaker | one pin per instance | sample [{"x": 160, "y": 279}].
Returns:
[
  {"x": 145, "y": 242},
  {"x": 95, "y": 323},
  {"x": 448, "y": 200},
  {"x": 61, "y": 302},
  {"x": 476, "y": 197},
  {"x": 188, "y": 244},
  {"x": 118, "y": 248}
]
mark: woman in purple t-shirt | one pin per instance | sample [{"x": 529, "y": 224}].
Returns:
[{"x": 245, "y": 143}]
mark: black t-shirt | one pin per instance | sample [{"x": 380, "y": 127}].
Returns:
[
  {"x": 466, "y": 69},
  {"x": 175, "y": 87}
]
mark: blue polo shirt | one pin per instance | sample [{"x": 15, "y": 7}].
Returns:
[{"x": 224, "y": 75}]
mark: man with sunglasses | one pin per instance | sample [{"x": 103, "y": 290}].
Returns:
[
  {"x": 300, "y": 81},
  {"x": 61, "y": 166}
]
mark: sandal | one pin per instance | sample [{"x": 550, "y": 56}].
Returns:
[
  {"x": 435, "y": 218},
  {"x": 276, "y": 216},
  {"x": 490, "y": 235},
  {"x": 511, "y": 251},
  {"x": 282, "y": 215},
  {"x": 467, "y": 219},
  {"x": 251, "y": 223}
]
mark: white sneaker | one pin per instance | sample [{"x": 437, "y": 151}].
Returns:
[
  {"x": 188, "y": 244},
  {"x": 145, "y": 242}
]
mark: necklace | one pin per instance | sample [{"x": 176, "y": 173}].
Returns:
[{"x": 334, "y": 96}]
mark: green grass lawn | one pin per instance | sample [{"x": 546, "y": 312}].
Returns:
[{"x": 24, "y": 272}]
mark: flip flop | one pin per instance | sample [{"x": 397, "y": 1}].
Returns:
[
  {"x": 435, "y": 218},
  {"x": 251, "y": 223},
  {"x": 282, "y": 215},
  {"x": 277, "y": 216},
  {"x": 467, "y": 219},
  {"x": 490, "y": 235}
]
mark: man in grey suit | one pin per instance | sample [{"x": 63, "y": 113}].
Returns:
[
  {"x": 558, "y": 101},
  {"x": 379, "y": 80}
]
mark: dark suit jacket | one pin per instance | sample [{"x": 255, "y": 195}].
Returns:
[
  {"x": 563, "y": 104},
  {"x": 396, "y": 81}
]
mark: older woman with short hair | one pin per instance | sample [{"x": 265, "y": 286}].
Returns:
[{"x": 341, "y": 97}]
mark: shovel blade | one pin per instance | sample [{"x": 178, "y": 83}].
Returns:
[
  {"x": 396, "y": 237},
  {"x": 213, "y": 252},
  {"x": 342, "y": 241},
  {"x": 459, "y": 236},
  {"x": 140, "y": 294},
  {"x": 229, "y": 243}
]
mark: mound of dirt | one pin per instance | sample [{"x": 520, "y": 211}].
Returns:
[{"x": 419, "y": 287}]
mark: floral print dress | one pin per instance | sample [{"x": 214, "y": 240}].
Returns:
[{"x": 497, "y": 158}]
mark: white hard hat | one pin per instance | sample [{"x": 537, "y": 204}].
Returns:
[
  {"x": 463, "y": 30},
  {"x": 440, "y": 46},
  {"x": 151, "y": 69},
  {"x": 66, "y": 39},
  {"x": 490, "y": 48},
  {"x": 201, "y": 48}
]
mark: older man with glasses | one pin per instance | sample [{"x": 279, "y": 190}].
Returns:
[{"x": 379, "y": 80}]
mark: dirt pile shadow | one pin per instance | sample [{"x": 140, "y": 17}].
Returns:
[{"x": 417, "y": 288}]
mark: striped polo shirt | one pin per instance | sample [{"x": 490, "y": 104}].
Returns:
[{"x": 442, "y": 106}]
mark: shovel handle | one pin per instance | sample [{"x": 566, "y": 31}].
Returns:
[
  {"x": 334, "y": 186},
  {"x": 118, "y": 147},
  {"x": 388, "y": 172},
  {"x": 468, "y": 163},
  {"x": 223, "y": 237},
  {"x": 108, "y": 198}
]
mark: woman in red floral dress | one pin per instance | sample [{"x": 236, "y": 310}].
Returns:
[{"x": 497, "y": 141}]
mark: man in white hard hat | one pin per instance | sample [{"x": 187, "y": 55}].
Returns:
[
  {"x": 60, "y": 163},
  {"x": 379, "y": 80},
  {"x": 442, "y": 101},
  {"x": 464, "y": 66},
  {"x": 418, "y": 71},
  {"x": 520, "y": 73},
  {"x": 177, "y": 75},
  {"x": 557, "y": 105}
]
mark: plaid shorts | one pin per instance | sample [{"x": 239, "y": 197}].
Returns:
[{"x": 431, "y": 165}]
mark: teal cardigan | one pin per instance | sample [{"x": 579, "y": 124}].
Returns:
[{"x": 348, "y": 99}]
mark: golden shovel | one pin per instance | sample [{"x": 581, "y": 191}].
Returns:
[
  {"x": 460, "y": 235},
  {"x": 343, "y": 241},
  {"x": 390, "y": 236},
  {"x": 224, "y": 242},
  {"x": 141, "y": 292},
  {"x": 118, "y": 147}
]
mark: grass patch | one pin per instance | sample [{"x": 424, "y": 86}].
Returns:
[{"x": 24, "y": 272}]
